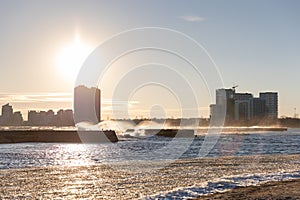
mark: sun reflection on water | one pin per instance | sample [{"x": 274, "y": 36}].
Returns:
[{"x": 73, "y": 155}]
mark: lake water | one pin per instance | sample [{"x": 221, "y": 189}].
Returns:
[{"x": 52, "y": 154}]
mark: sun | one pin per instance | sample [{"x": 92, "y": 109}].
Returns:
[{"x": 71, "y": 57}]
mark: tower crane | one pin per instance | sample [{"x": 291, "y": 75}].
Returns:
[{"x": 233, "y": 87}]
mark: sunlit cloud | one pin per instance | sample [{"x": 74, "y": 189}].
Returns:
[
  {"x": 59, "y": 98},
  {"x": 109, "y": 105},
  {"x": 192, "y": 18},
  {"x": 115, "y": 102},
  {"x": 32, "y": 98}
]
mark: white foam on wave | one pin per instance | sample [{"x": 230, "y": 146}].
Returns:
[{"x": 224, "y": 184}]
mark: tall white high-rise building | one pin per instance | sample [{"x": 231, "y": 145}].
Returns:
[{"x": 87, "y": 104}]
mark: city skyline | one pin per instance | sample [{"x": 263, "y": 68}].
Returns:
[
  {"x": 236, "y": 105},
  {"x": 10, "y": 117},
  {"x": 254, "y": 44},
  {"x": 68, "y": 99}
]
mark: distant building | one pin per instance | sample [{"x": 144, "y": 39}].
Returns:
[
  {"x": 225, "y": 102},
  {"x": 222, "y": 95},
  {"x": 64, "y": 118},
  {"x": 214, "y": 108},
  {"x": 7, "y": 114},
  {"x": 17, "y": 119},
  {"x": 87, "y": 104},
  {"x": 258, "y": 107},
  {"x": 271, "y": 100},
  {"x": 33, "y": 118},
  {"x": 242, "y": 110},
  {"x": 43, "y": 118},
  {"x": 49, "y": 117},
  {"x": 242, "y": 96},
  {"x": 9, "y": 117},
  {"x": 243, "y": 106}
]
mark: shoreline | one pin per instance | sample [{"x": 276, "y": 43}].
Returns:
[{"x": 288, "y": 189}]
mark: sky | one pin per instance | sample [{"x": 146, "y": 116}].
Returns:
[{"x": 253, "y": 44}]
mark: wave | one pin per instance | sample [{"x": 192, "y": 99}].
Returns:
[{"x": 224, "y": 184}]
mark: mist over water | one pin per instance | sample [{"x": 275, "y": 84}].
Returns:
[
  {"x": 117, "y": 126},
  {"x": 125, "y": 128},
  {"x": 138, "y": 128}
]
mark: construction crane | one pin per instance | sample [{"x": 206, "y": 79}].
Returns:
[{"x": 233, "y": 87}]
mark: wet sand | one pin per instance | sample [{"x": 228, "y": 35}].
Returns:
[
  {"x": 289, "y": 190},
  {"x": 126, "y": 181}
]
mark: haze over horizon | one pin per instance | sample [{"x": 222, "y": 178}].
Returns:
[{"x": 255, "y": 45}]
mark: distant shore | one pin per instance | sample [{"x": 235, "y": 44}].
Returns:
[{"x": 273, "y": 190}]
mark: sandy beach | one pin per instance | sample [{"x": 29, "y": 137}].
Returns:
[{"x": 126, "y": 181}]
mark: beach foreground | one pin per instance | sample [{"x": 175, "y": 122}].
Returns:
[
  {"x": 141, "y": 180},
  {"x": 272, "y": 191}
]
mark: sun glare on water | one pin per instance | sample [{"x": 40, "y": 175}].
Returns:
[{"x": 71, "y": 57}]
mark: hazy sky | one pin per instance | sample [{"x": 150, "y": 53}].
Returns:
[{"x": 255, "y": 44}]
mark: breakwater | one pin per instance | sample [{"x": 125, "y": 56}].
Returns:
[{"x": 64, "y": 136}]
